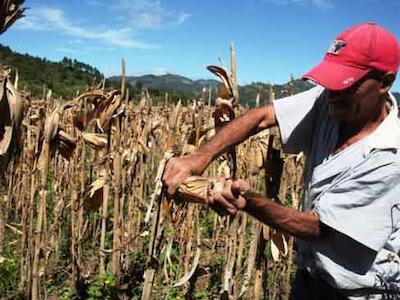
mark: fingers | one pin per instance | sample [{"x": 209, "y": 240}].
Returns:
[
  {"x": 239, "y": 187},
  {"x": 227, "y": 191},
  {"x": 222, "y": 206},
  {"x": 229, "y": 200}
]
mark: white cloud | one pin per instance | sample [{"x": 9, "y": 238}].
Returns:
[
  {"x": 159, "y": 71},
  {"x": 182, "y": 17},
  {"x": 149, "y": 14},
  {"x": 69, "y": 50},
  {"x": 325, "y": 4},
  {"x": 85, "y": 50},
  {"x": 55, "y": 20}
]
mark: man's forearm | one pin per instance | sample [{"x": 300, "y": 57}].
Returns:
[
  {"x": 236, "y": 132},
  {"x": 299, "y": 224}
]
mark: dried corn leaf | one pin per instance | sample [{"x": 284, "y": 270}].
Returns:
[
  {"x": 189, "y": 275},
  {"x": 279, "y": 246},
  {"x": 224, "y": 76},
  {"x": 259, "y": 158},
  {"x": 16, "y": 103},
  {"x": 94, "y": 140},
  {"x": 224, "y": 169},
  {"x": 95, "y": 194},
  {"x": 66, "y": 144},
  {"x": 51, "y": 126},
  {"x": 108, "y": 112},
  {"x": 6, "y": 139},
  {"x": 224, "y": 93},
  {"x": 175, "y": 115}
]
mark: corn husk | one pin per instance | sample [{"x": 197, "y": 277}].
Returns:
[
  {"x": 195, "y": 189},
  {"x": 198, "y": 189}
]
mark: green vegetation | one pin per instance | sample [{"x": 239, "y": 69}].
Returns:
[
  {"x": 64, "y": 78},
  {"x": 10, "y": 265}
]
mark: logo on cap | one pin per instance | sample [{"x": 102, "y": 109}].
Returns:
[
  {"x": 336, "y": 46},
  {"x": 348, "y": 81}
]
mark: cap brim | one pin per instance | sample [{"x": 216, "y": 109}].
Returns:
[{"x": 334, "y": 76}]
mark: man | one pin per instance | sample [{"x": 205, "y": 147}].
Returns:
[{"x": 348, "y": 234}]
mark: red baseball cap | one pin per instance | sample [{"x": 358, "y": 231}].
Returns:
[{"x": 353, "y": 54}]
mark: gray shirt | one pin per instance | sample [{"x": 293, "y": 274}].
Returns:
[{"x": 356, "y": 194}]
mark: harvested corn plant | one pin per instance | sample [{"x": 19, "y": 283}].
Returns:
[{"x": 83, "y": 209}]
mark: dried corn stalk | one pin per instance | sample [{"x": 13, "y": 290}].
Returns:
[
  {"x": 224, "y": 113},
  {"x": 158, "y": 209}
]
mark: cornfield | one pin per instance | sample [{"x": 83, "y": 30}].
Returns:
[{"x": 83, "y": 213}]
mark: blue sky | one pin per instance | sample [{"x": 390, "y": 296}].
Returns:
[{"x": 272, "y": 38}]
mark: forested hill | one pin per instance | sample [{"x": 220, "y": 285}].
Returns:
[
  {"x": 64, "y": 78},
  {"x": 68, "y": 76}
]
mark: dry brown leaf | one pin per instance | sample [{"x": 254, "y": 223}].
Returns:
[
  {"x": 224, "y": 92},
  {"x": 108, "y": 112},
  {"x": 66, "y": 144},
  {"x": 223, "y": 75},
  {"x": 6, "y": 139},
  {"x": 279, "y": 246},
  {"x": 95, "y": 194},
  {"x": 51, "y": 126},
  {"x": 94, "y": 140}
]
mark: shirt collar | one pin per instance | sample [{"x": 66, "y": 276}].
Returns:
[{"x": 387, "y": 135}]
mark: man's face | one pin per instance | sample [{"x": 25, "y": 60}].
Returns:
[{"x": 359, "y": 103}]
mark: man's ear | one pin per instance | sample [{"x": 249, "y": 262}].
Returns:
[{"x": 387, "y": 81}]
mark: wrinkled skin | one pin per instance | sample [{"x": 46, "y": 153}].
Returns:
[
  {"x": 360, "y": 109},
  {"x": 231, "y": 198}
]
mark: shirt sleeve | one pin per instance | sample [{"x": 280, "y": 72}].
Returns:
[
  {"x": 296, "y": 116},
  {"x": 364, "y": 206}
]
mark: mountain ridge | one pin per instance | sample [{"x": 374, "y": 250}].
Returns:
[
  {"x": 69, "y": 76},
  {"x": 191, "y": 88}
]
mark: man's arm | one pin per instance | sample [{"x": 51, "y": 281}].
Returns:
[
  {"x": 235, "y": 132},
  {"x": 299, "y": 224},
  {"x": 237, "y": 195}
]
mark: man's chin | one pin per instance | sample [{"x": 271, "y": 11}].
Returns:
[{"x": 339, "y": 115}]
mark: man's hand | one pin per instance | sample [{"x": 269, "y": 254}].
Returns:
[
  {"x": 229, "y": 199},
  {"x": 178, "y": 169}
]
